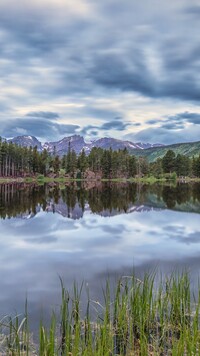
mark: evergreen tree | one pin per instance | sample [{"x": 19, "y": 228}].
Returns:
[
  {"x": 106, "y": 163},
  {"x": 132, "y": 166},
  {"x": 56, "y": 164},
  {"x": 168, "y": 162},
  {"x": 156, "y": 168},
  {"x": 73, "y": 161},
  {"x": 196, "y": 166},
  {"x": 182, "y": 165},
  {"x": 82, "y": 162},
  {"x": 35, "y": 160},
  {"x": 94, "y": 159}
]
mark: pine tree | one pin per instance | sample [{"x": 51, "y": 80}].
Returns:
[
  {"x": 106, "y": 164},
  {"x": 56, "y": 164},
  {"x": 182, "y": 165},
  {"x": 168, "y": 162},
  {"x": 82, "y": 162},
  {"x": 132, "y": 166}
]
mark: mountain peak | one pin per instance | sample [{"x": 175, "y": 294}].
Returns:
[
  {"x": 26, "y": 141},
  {"x": 77, "y": 143}
]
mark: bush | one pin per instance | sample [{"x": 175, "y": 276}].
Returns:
[
  {"x": 173, "y": 176},
  {"x": 40, "y": 177}
]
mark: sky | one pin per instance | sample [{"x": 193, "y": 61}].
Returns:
[{"x": 125, "y": 69}]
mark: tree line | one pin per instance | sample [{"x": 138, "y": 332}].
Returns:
[{"x": 18, "y": 161}]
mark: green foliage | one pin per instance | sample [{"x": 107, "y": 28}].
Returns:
[
  {"x": 182, "y": 165},
  {"x": 40, "y": 177},
  {"x": 196, "y": 166},
  {"x": 173, "y": 176},
  {"x": 142, "y": 166},
  {"x": 152, "y": 315},
  {"x": 16, "y": 161},
  {"x": 82, "y": 162},
  {"x": 156, "y": 168},
  {"x": 189, "y": 150},
  {"x": 56, "y": 164},
  {"x": 168, "y": 162}
]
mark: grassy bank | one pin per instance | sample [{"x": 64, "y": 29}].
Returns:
[
  {"x": 62, "y": 179},
  {"x": 143, "y": 318}
]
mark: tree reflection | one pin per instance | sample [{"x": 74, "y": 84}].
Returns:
[{"x": 22, "y": 200}]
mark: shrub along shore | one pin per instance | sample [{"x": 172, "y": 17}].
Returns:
[
  {"x": 149, "y": 179},
  {"x": 140, "y": 317}
]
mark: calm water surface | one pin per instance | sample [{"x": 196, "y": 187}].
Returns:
[{"x": 90, "y": 233}]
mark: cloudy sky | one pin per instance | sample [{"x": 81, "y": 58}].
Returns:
[{"x": 126, "y": 69}]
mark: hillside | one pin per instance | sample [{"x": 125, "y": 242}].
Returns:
[{"x": 188, "y": 149}]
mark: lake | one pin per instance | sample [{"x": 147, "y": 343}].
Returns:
[{"x": 87, "y": 233}]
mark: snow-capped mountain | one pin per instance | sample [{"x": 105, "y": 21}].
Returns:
[
  {"x": 27, "y": 141},
  {"x": 145, "y": 146},
  {"x": 116, "y": 144},
  {"x": 61, "y": 147},
  {"x": 77, "y": 143}
]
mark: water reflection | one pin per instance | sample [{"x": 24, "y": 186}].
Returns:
[
  {"x": 25, "y": 201},
  {"x": 86, "y": 233}
]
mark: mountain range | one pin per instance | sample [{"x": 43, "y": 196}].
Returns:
[{"x": 77, "y": 143}]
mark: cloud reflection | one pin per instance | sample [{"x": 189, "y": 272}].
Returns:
[{"x": 35, "y": 253}]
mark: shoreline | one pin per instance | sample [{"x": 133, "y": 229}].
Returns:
[{"x": 147, "y": 180}]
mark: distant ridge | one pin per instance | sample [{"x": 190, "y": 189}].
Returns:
[
  {"x": 189, "y": 149},
  {"x": 77, "y": 143}
]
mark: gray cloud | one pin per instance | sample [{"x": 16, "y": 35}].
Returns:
[
  {"x": 82, "y": 60},
  {"x": 43, "y": 114},
  {"x": 191, "y": 117},
  {"x": 114, "y": 230},
  {"x": 136, "y": 124},
  {"x": 41, "y": 240},
  {"x": 162, "y": 135},
  {"x": 116, "y": 74},
  {"x": 178, "y": 119},
  {"x": 100, "y": 113},
  {"x": 192, "y": 238},
  {"x": 192, "y": 10},
  {"x": 176, "y": 124},
  {"x": 117, "y": 124},
  {"x": 94, "y": 133},
  {"x": 173, "y": 126},
  {"x": 44, "y": 124},
  {"x": 41, "y": 128},
  {"x": 153, "y": 121},
  {"x": 74, "y": 52}
]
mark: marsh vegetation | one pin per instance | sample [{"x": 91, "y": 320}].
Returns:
[{"x": 152, "y": 316}]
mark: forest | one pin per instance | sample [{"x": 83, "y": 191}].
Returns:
[{"x": 18, "y": 161}]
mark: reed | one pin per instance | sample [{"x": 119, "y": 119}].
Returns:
[{"x": 140, "y": 317}]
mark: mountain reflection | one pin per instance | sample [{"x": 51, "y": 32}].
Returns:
[{"x": 107, "y": 199}]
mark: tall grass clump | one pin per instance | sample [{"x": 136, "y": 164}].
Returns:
[{"x": 151, "y": 316}]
